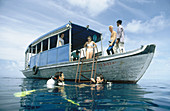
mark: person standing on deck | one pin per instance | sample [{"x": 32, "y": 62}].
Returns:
[
  {"x": 120, "y": 38},
  {"x": 89, "y": 45},
  {"x": 61, "y": 40},
  {"x": 112, "y": 40}
]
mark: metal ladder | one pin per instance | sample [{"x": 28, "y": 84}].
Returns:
[{"x": 93, "y": 70}]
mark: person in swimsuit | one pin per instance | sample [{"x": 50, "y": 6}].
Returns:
[
  {"x": 112, "y": 40},
  {"x": 89, "y": 45}
]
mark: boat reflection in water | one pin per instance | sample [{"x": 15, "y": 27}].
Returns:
[{"x": 82, "y": 97}]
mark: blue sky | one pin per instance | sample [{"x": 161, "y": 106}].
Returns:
[{"x": 145, "y": 22}]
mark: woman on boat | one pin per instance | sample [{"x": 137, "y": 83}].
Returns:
[{"x": 89, "y": 45}]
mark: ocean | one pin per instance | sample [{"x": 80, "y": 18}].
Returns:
[{"x": 32, "y": 94}]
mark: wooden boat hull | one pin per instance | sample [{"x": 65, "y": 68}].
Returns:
[{"x": 127, "y": 67}]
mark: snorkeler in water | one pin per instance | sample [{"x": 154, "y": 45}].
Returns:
[
  {"x": 100, "y": 80},
  {"x": 58, "y": 79}
]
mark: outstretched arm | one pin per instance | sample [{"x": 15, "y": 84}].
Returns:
[{"x": 92, "y": 79}]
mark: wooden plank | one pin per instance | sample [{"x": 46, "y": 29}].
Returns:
[
  {"x": 80, "y": 71},
  {"x": 95, "y": 69},
  {"x": 77, "y": 68},
  {"x": 85, "y": 77}
]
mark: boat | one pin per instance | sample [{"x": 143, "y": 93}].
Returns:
[{"x": 44, "y": 58}]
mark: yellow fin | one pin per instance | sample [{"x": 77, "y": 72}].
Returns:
[
  {"x": 23, "y": 93},
  {"x": 71, "y": 101}
]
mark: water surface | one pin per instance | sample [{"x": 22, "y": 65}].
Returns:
[{"x": 146, "y": 95}]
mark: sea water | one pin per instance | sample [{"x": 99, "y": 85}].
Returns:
[{"x": 145, "y": 96}]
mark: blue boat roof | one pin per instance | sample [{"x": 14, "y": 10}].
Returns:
[
  {"x": 79, "y": 35},
  {"x": 48, "y": 33}
]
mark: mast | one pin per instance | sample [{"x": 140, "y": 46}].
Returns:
[
  {"x": 48, "y": 43},
  {"x": 70, "y": 42},
  {"x": 101, "y": 37},
  {"x": 25, "y": 59},
  {"x": 31, "y": 50},
  {"x": 36, "y": 49},
  {"x": 41, "y": 46}
]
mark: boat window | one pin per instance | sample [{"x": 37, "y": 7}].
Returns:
[
  {"x": 94, "y": 38},
  {"x": 53, "y": 41},
  {"x": 66, "y": 37},
  {"x": 33, "y": 49},
  {"x": 45, "y": 44},
  {"x": 38, "y": 47}
]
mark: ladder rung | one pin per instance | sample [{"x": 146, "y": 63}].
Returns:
[
  {"x": 85, "y": 77},
  {"x": 87, "y": 71}
]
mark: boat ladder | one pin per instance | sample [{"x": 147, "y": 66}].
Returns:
[{"x": 86, "y": 61}]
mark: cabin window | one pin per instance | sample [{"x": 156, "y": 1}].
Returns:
[
  {"x": 53, "y": 41},
  {"x": 33, "y": 49},
  {"x": 66, "y": 37},
  {"x": 45, "y": 44},
  {"x": 38, "y": 47}
]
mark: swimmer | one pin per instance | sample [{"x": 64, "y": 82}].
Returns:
[
  {"x": 100, "y": 79},
  {"x": 58, "y": 79}
]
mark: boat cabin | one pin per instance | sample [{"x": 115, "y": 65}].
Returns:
[{"x": 46, "y": 50}]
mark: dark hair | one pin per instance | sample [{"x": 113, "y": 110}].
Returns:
[
  {"x": 101, "y": 76},
  {"x": 77, "y": 51},
  {"x": 119, "y": 21},
  {"x": 58, "y": 74},
  {"x": 61, "y": 34}
]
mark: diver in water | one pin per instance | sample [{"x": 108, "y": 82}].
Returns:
[
  {"x": 100, "y": 80},
  {"x": 58, "y": 79}
]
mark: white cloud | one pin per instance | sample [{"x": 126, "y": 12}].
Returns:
[
  {"x": 72, "y": 15},
  {"x": 16, "y": 34},
  {"x": 135, "y": 11},
  {"x": 10, "y": 68},
  {"x": 92, "y": 7},
  {"x": 10, "y": 19},
  {"x": 142, "y": 1},
  {"x": 149, "y": 26}
]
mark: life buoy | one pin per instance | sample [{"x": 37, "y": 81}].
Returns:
[{"x": 35, "y": 70}]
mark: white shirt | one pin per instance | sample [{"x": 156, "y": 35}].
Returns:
[
  {"x": 61, "y": 40},
  {"x": 120, "y": 33}
]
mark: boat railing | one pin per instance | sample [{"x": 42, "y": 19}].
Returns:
[
  {"x": 94, "y": 54},
  {"x": 52, "y": 56}
]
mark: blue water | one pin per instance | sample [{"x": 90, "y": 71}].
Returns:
[{"x": 147, "y": 95}]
